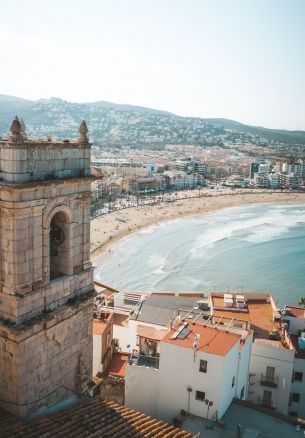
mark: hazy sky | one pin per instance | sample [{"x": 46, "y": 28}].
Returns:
[{"x": 239, "y": 59}]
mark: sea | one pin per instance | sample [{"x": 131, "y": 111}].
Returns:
[{"x": 260, "y": 247}]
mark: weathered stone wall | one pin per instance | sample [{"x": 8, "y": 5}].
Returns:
[
  {"x": 16, "y": 309},
  {"x": 112, "y": 389},
  {"x": 45, "y": 321},
  {"x": 25, "y": 248},
  {"x": 47, "y": 359},
  {"x": 34, "y": 161}
]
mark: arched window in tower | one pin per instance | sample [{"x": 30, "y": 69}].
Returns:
[{"x": 59, "y": 246}]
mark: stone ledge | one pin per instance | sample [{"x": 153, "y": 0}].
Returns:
[
  {"x": 20, "y": 332},
  {"x": 56, "y": 182},
  {"x": 45, "y": 143}
]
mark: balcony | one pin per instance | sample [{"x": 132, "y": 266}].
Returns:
[
  {"x": 271, "y": 382},
  {"x": 144, "y": 361},
  {"x": 270, "y": 404}
]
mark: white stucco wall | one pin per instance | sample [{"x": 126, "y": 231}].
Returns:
[
  {"x": 121, "y": 333},
  {"x": 265, "y": 353},
  {"x": 97, "y": 354},
  {"x": 142, "y": 389},
  {"x": 295, "y": 324},
  {"x": 243, "y": 369},
  {"x": 299, "y": 387},
  {"x": 230, "y": 369},
  {"x": 163, "y": 393}
]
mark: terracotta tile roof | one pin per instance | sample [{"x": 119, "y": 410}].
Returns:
[
  {"x": 90, "y": 418},
  {"x": 117, "y": 365},
  {"x": 212, "y": 340}
]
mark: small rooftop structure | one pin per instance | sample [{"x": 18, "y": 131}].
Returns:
[{"x": 260, "y": 312}]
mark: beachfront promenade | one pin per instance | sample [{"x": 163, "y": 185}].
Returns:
[{"x": 126, "y": 218}]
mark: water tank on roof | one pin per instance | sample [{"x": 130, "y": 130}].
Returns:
[{"x": 203, "y": 304}]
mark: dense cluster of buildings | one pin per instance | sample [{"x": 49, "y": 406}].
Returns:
[
  {"x": 207, "y": 350},
  {"x": 145, "y": 173},
  {"x": 276, "y": 174},
  {"x": 64, "y": 339}
]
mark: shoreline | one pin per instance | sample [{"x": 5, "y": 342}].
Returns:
[{"x": 108, "y": 229}]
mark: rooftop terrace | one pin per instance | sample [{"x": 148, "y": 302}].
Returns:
[{"x": 259, "y": 311}]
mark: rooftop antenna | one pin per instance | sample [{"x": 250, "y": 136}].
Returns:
[
  {"x": 195, "y": 344},
  {"x": 196, "y": 341}
]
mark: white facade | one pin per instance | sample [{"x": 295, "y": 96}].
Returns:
[
  {"x": 271, "y": 391},
  {"x": 175, "y": 385},
  {"x": 295, "y": 318},
  {"x": 297, "y": 394}
]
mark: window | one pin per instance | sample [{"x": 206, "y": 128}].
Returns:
[
  {"x": 200, "y": 395},
  {"x": 295, "y": 397},
  {"x": 203, "y": 366},
  {"x": 233, "y": 381},
  {"x": 298, "y": 377},
  {"x": 60, "y": 246}
]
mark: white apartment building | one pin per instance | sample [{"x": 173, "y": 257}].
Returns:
[
  {"x": 274, "y": 180},
  {"x": 272, "y": 353},
  {"x": 270, "y": 369},
  {"x": 295, "y": 319},
  {"x": 177, "y": 179},
  {"x": 201, "y": 367}
]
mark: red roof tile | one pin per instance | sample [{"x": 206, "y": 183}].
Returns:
[
  {"x": 212, "y": 340},
  {"x": 117, "y": 365},
  {"x": 90, "y": 418}
]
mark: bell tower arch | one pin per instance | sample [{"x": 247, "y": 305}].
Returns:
[{"x": 46, "y": 284}]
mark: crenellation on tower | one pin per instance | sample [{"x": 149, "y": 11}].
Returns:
[
  {"x": 46, "y": 293},
  {"x": 17, "y": 132}
]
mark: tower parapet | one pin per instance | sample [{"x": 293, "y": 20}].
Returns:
[{"x": 24, "y": 160}]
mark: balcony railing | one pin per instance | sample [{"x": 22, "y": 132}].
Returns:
[
  {"x": 267, "y": 403},
  {"x": 272, "y": 382},
  {"x": 144, "y": 361}
]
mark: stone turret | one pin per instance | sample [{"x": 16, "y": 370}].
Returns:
[
  {"x": 83, "y": 133},
  {"x": 16, "y": 130},
  {"x": 23, "y": 128}
]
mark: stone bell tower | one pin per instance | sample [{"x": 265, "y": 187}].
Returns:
[{"x": 46, "y": 287}]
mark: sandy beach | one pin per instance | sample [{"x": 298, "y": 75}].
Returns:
[{"x": 109, "y": 228}]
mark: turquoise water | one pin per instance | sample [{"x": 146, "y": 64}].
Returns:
[{"x": 252, "y": 248}]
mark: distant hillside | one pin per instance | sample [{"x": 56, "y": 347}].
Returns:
[
  {"x": 280, "y": 135},
  {"x": 126, "y": 125},
  {"x": 9, "y": 104}
]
